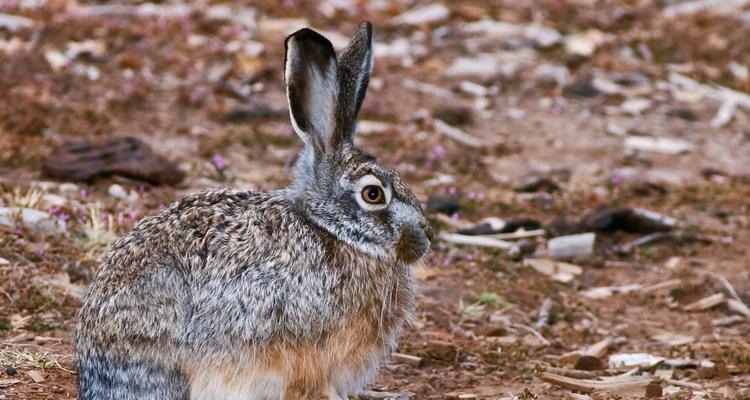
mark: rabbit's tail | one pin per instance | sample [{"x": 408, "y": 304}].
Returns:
[{"x": 102, "y": 378}]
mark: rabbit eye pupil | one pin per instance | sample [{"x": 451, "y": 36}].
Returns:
[{"x": 373, "y": 194}]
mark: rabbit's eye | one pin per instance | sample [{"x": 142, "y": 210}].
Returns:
[{"x": 373, "y": 194}]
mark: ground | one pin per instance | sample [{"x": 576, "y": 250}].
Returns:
[{"x": 202, "y": 84}]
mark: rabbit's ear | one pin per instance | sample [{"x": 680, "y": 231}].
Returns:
[
  {"x": 355, "y": 66},
  {"x": 312, "y": 89}
]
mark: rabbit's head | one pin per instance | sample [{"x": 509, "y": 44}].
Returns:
[{"x": 338, "y": 187}]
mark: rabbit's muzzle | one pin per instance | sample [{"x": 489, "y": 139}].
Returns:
[{"x": 414, "y": 243}]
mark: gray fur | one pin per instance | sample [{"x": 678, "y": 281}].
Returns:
[{"x": 199, "y": 300}]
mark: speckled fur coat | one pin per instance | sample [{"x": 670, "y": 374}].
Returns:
[{"x": 293, "y": 294}]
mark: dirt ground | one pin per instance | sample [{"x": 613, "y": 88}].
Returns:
[{"x": 554, "y": 121}]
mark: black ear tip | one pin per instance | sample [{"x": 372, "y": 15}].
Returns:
[{"x": 307, "y": 35}]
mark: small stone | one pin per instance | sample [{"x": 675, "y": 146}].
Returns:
[
  {"x": 582, "y": 88},
  {"x": 4, "y": 261},
  {"x": 50, "y": 200},
  {"x": 35, "y": 376},
  {"x": 117, "y": 191},
  {"x": 635, "y": 106},
  {"x": 37, "y": 221},
  {"x": 653, "y": 390},
  {"x": 589, "y": 363},
  {"x": 706, "y": 369},
  {"x": 454, "y": 115},
  {"x": 534, "y": 183},
  {"x": 683, "y": 113},
  {"x": 441, "y": 350},
  {"x": 444, "y": 205},
  {"x": 15, "y": 22},
  {"x": 491, "y": 330},
  {"x": 583, "y": 44},
  {"x": 10, "y": 370},
  {"x": 69, "y": 188}
]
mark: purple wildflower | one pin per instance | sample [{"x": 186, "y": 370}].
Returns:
[{"x": 220, "y": 163}]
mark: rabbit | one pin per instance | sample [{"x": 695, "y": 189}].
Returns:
[{"x": 298, "y": 293}]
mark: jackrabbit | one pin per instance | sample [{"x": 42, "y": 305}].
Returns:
[{"x": 294, "y": 294}]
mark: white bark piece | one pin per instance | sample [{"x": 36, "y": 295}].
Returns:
[
  {"x": 422, "y": 15},
  {"x": 458, "y": 135},
  {"x": 572, "y": 246},
  {"x": 658, "y": 144},
  {"x": 480, "y": 241},
  {"x": 15, "y": 22},
  {"x": 706, "y": 303},
  {"x": 715, "y": 6}
]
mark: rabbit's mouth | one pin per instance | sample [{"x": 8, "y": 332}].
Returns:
[{"x": 413, "y": 244}]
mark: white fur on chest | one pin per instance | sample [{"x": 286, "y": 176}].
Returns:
[{"x": 256, "y": 385}]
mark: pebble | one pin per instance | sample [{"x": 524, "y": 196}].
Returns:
[
  {"x": 582, "y": 87},
  {"x": 69, "y": 188},
  {"x": 37, "y": 221},
  {"x": 117, "y": 191},
  {"x": 635, "y": 106},
  {"x": 444, "y": 205}
]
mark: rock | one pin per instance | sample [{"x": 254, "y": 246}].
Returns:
[
  {"x": 37, "y": 221},
  {"x": 15, "y": 22},
  {"x": 484, "y": 65},
  {"x": 50, "y": 200},
  {"x": 117, "y": 191},
  {"x": 582, "y": 88},
  {"x": 544, "y": 37},
  {"x": 653, "y": 390},
  {"x": 534, "y": 183},
  {"x": 4, "y": 261},
  {"x": 706, "y": 369},
  {"x": 589, "y": 363},
  {"x": 70, "y": 189},
  {"x": 491, "y": 330},
  {"x": 572, "y": 246},
  {"x": 35, "y": 376},
  {"x": 423, "y": 15},
  {"x": 521, "y": 248},
  {"x": 683, "y": 113},
  {"x": 629, "y": 78},
  {"x": 739, "y": 71},
  {"x": 125, "y": 156},
  {"x": 10, "y": 370},
  {"x": 635, "y": 106},
  {"x": 441, "y": 351},
  {"x": 454, "y": 115},
  {"x": 552, "y": 73},
  {"x": 444, "y": 205},
  {"x": 558, "y": 271},
  {"x": 582, "y": 44}
]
